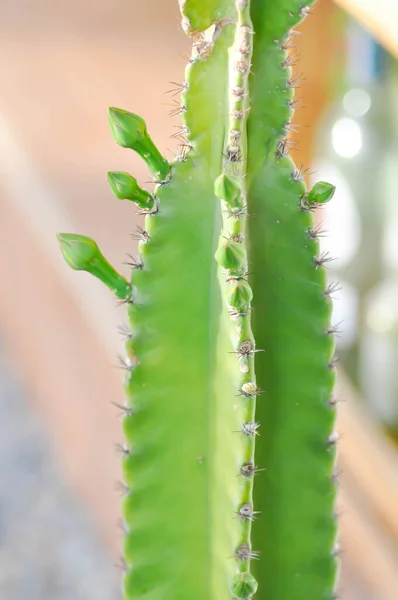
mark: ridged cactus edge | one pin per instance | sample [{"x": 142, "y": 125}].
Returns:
[{"x": 229, "y": 421}]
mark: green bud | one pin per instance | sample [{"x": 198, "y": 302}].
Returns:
[
  {"x": 231, "y": 255},
  {"x": 241, "y": 294},
  {"x": 125, "y": 187},
  {"x": 79, "y": 251},
  {"x": 129, "y": 131},
  {"x": 244, "y": 585},
  {"x": 321, "y": 192},
  {"x": 82, "y": 254},
  {"x": 227, "y": 188}
]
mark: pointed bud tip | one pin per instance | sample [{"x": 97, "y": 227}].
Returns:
[
  {"x": 123, "y": 185},
  {"x": 321, "y": 192},
  {"x": 127, "y": 128},
  {"x": 244, "y": 585},
  {"x": 77, "y": 250},
  {"x": 113, "y": 111},
  {"x": 228, "y": 189},
  {"x": 231, "y": 255},
  {"x": 121, "y": 114},
  {"x": 241, "y": 295}
]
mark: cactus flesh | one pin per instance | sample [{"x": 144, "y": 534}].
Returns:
[{"x": 229, "y": 425}]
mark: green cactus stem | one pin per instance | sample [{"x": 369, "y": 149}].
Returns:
[{"x": 230, "y": 446}]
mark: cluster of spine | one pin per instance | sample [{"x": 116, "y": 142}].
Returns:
[{"x": 231, "y": 255}]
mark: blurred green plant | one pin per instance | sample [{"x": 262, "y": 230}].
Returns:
[{"x": 229, "y": 224}]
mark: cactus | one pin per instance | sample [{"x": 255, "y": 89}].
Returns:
[{"x": 230, "y": 449}]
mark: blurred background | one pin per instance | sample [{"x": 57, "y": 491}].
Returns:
[{"x": 61, "y": 65}]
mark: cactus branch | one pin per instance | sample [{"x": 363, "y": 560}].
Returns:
[
  {"x": 183, "y": 423},
  {"x": 297, "y": 530},
  {"x": 129, "y": 131},
  {"x": 125, "y": 187},
  {"x": 82, "y": 254}
]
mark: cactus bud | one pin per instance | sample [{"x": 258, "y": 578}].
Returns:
[
  {"x": 250, "y": 389},
  {"x": 82, "y": 254},
  {"x": 125, "y": 187},
  {"x": 244, "y": 585},
  {"x": 321, "y": 192},
  {"x": 231, "y": 255},
  {"x": 227, "y": 188},
  {"x": 241, "y": 294},
  {"x": 129, "y": 131}
]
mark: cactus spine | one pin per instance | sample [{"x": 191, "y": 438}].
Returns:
[{"x": 228, "y": 224}]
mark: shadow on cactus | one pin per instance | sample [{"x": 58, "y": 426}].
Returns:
[{"x": 229, "y": 420}]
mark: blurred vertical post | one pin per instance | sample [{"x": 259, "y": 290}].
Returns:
[
  {"x": 315, "y": 49},
  {"x": 354, "y": 145}
]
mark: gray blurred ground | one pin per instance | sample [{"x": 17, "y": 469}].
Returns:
[{"x": 48, "y": 547}]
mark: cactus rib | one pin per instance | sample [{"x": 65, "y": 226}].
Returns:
[
  {"x": 182, "y": 391},
  {"x": 297, "y": 530},
  {"x": 230, "y": 186}
]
